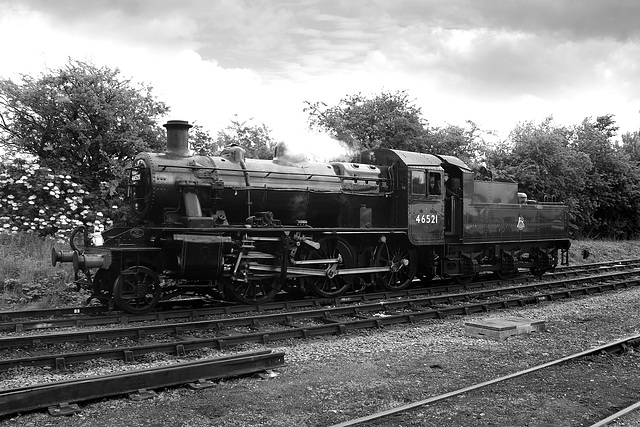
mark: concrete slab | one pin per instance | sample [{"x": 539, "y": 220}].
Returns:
[{"x": 501, "y": 328}]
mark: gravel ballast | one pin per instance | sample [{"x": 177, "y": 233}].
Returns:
[{"x": 331, "y": 379}]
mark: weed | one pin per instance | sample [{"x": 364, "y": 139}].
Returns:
[{"x": 27, "y": 276}]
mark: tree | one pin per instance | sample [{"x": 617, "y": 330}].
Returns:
[
  {"x": 545, "y": 164},
  {"x": 540, "y": 159},
  {"x": 389, "y": 120},
  {"x": 631, "y": 145},
  {"x": 614, "y": 181},
  {"x": 201, "y": 142},
  {"x": 81, "y": 123},
  {"x": 81, "y": 120},
  {"x": 581, "y": 166},
  {"x": 255, "y": 139},
  {"x": 462, "y": 142}
]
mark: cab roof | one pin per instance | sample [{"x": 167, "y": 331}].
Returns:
[{"x": 387, "y": 156}]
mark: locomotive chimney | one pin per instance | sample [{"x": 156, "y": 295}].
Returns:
[{"x": 178, "y": 137}]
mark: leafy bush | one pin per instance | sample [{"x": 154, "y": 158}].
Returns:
[{"x": 34, "y": 200}]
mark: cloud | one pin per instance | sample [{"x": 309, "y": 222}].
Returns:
[
  {"x": 564, "y": 19},
  {"x": 495, "y": 63}
]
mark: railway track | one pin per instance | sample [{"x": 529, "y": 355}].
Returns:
[
  {"x": 86, "y": 316},
  {"x": 402, "y": 415},
  {"x": 61, "y": 398},
  {"x": 225, "y": 332},
  {"x": 293, "y": 319}
]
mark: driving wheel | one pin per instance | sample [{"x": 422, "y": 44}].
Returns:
[
  {"x": 402, "y": 262},
  {"x": 330, "y": 284},
  {"x": 260, "y": 275}
]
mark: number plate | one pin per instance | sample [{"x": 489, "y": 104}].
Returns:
[{"x": 426, "y": 223}]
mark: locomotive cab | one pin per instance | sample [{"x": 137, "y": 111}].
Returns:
[{"x": 426, "y": 219}]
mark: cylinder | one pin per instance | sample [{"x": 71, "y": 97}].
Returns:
[{"x": 178, "y": 137}]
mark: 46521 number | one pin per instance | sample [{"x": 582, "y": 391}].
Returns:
[{"x": 427, "y": 219}]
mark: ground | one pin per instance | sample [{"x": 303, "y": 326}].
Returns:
[{"x": 328, "y": 380}]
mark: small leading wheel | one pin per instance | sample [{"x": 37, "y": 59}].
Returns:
[
  {"x": 330, "y": 284},
  {"x": 402, "y": 261},
  {"x": 137, "y": 290}
]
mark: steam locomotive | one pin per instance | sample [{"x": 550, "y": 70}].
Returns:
[{"x": 248, "y": 230}]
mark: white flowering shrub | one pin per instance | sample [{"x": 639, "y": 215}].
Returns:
[{"x": 35, "y": 200}]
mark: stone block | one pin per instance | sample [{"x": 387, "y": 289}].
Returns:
[{"x": 500, "y": 328}]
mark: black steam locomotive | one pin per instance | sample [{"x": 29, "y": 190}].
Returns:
[{"x": 249, "y": 229}]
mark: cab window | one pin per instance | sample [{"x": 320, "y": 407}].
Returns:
[
  {"x": 418, "y": 183},
  {"x": 434, "y": 187}
]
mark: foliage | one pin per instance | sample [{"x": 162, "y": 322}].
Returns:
[
  {"x": 392, "y": 120},
  {"x": 201, "y": 142},
  {"x": 614, "y": 181},
  {"x": 34, "y": 199},
  {"x": 83, "y": 122},
  {"x": 466, "y": 143},
  {"x": 580, "y": 166},
  {"x": 389, "y": 120},
  {"x": 255, "y": 139},
  {"x": 631, "y": 146},
  {"x": 546, "y": 167}
]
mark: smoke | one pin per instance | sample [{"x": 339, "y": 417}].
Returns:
[{"x": 318, "y": 148}]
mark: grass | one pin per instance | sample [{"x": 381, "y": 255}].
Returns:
[
  {"x": 27, "y": 278},
  {"x": 603, "y": 250}
]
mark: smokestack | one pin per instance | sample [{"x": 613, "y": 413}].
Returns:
[{"x": 178, "y": 137}]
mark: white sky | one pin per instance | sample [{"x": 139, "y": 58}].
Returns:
[{"x": 496, "y": 63}]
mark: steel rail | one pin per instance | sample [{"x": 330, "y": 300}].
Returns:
[
  {"x": 140, "y": 331},
  {"x": 90, "y": 316},
  {"x": 45, "y": 395},
  {"x": 629, "y": 409},
  {"x": 613, "y": 347},
  {"x": 6, "y": 316},
  {"x": 332, "y": 325}
]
